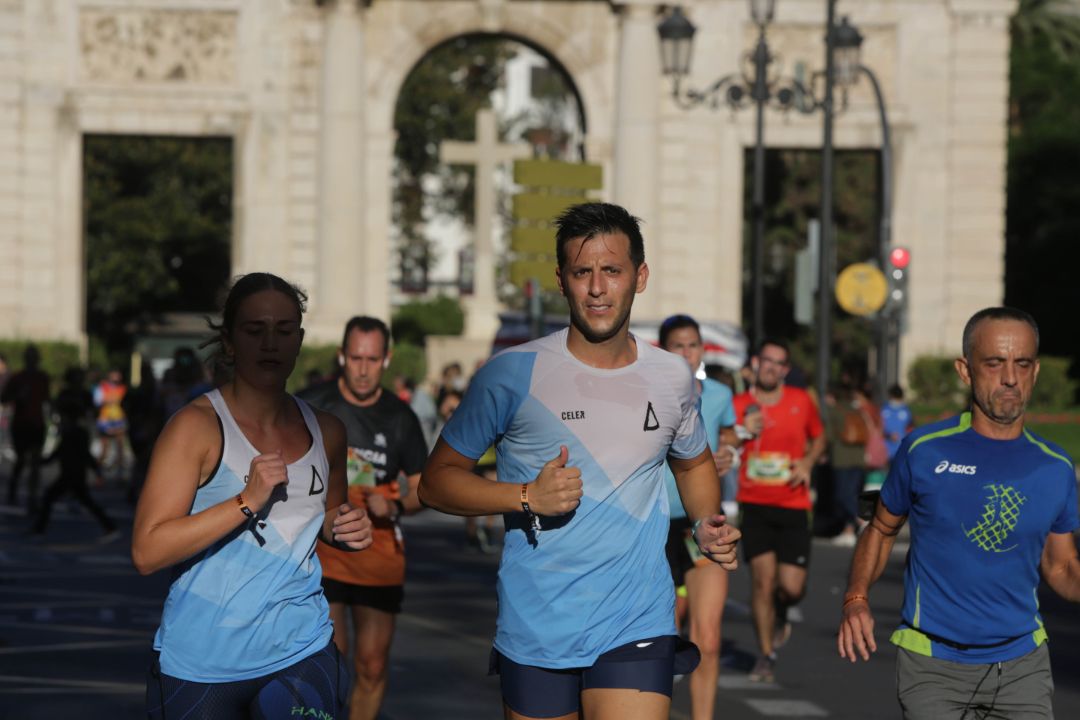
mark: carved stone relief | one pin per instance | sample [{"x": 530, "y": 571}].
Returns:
[{"x": 158, "y": 46}]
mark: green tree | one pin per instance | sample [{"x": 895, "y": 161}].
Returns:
[
  {"x": 414, "y": 321},
  {"x": 439, "y": 101},
  {"x": 158, "y": 224},
  {"x": 1054, "y": 24},
  {"x": 1043, "y": 186},
  {"x": 792, "y": 199}
]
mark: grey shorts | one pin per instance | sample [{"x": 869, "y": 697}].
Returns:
[{"x": 934, "y": 689}]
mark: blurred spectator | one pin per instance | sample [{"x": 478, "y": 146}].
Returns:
[
  {"x": 185, "y": 381},
  {"x": 450, "y": 400},
  {"x": 6, "y": 451},
  {"x": 27, "y": 391},
  {"x": 403, "y": 388},
  {"x": 313, "y": 378},
  {"x": 424, "y": 406},
  {"x": 452, "y": 379},
  {"x": 73, "y": 453},
  {"x": 73, "y": 394},
  {"x": 146, "y": 417},
  {"x": 848, "y": 426},
  {"x": 896, "y": 419},
  {"x": 111, "y": 422}
]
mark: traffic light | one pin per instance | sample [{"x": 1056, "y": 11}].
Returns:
[{"x": 899, "y": 260}]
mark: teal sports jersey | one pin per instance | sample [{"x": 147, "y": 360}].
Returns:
[
  {"x": 716, "y": 412},
  {"x": 251, "y": 603},
  {"x": 980, "y": 511},
  {"x": 595, "y": 578}
]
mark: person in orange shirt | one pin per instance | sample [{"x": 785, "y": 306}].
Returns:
[
  {"x": 774, "y": 495},
  {"x": 386, "y": 452}
]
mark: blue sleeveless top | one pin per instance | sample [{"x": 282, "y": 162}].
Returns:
[{"x": 251, "y": 603}]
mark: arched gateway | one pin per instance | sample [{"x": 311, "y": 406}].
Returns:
[{"x": 306, "y": 88}]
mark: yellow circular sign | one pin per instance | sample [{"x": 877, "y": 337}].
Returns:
[{"x": 861, "y": 289}]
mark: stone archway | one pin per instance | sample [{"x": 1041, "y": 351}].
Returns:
[{"x": 307, "y": 88}]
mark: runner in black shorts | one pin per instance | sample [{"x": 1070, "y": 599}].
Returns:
[
  {"x": 775, "y": 477},
  {"x": 773, "y": 529},
  {"x": 386, "y": 451}
]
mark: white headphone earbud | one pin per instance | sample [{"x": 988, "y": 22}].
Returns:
[
  {"x": 386, "y": 363},
  {"x": 340, "y": 361}
]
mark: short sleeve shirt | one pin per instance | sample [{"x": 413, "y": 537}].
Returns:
[
  {"x": 597, "y": 577},
  {"x": 716, "y": 412},
  {"x": 384, "y": 441},
  {"x": 980, "y": 511},
  {"x": 766, "y": 460}
]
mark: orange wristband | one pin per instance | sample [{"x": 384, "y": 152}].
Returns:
[
  {"x": 533, "y": 519},
  {"x": 852, "y": 598},
  {"x": 243, "y": 506}
]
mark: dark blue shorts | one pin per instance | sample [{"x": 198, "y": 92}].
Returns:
[
  {"x": 315, "y": 687},
  {"x": 647, "y": 665}
]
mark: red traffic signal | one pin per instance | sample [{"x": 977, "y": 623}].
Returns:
[{"x": 899, "y": 257}]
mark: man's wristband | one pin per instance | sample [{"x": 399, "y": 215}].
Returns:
[
  {"x": 533, "y": 518},
  {"x": 243, "y": 506},
  {"x": 852, "y": 598}
]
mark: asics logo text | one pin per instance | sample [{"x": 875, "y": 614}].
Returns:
[{"x": 954, "y": 469}]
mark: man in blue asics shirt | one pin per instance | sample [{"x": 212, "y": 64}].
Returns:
[
  {"x": 990, "y": 504},
  {"x": 583, "y": 421}
]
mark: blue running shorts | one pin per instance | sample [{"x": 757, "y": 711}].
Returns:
[
  {"x": 647, "y": 665},
  {"x": 316, "y": 687}
]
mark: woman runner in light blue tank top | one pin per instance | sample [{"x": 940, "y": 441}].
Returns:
[{"x": 242, "y": 484}]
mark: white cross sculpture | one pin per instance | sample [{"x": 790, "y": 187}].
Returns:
[{"x": 482, "y": 309}]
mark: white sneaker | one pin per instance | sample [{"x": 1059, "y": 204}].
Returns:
[{"x": 844, "y": 539}]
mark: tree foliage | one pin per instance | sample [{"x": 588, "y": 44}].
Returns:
[
  {"x": 158, "y": 227},
  {"x": 792, "y": 199},
  {"x": 1054, "y": 24},
  {"x": 439, "y": 101},
  {"x": 414, "y": 321},
  {"x": 1043, "y": 184}
]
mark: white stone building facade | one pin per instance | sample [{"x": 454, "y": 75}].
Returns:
[{"x": 307, "y": 90}]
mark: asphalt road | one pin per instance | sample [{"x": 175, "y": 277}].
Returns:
[{"x": 76, "y": 623}]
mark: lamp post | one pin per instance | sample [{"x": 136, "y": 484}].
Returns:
[
  {"x": 736, "y": 91},
  {"x": 888, "y": 365},
  {"x": 842, "y": 68}
]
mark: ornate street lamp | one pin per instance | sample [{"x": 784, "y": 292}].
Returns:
[
  {"x": 676, "y": 41},
  {"x": 736, "y": 91},
  {"x": 842, "y": 68},
  {"x": 762, "y": 11},
  {"x": 847, "y": 44}
]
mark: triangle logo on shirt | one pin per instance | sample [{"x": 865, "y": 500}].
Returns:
[
  {"x": 316, "y": 488},
  {"x": 651, "y": 423}
]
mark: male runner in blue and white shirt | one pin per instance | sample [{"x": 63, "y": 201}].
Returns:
[
  {"x": 991, "y": 504},
  {"x": 583, "y": 421}
]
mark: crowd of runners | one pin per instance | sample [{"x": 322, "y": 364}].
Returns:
[{"x": 631, "y": 481}]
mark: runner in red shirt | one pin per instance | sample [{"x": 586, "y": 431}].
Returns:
[{"x": 774, "y": 495}]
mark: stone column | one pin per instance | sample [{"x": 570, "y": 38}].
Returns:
[
  {"x": 340, "y": 275},
  {"x": 978, "y": 118},
  {"x": 637, "y": 134}
]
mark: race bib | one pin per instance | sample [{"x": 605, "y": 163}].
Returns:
[
  {"x": 360, "y": 472},
  {"x": 768, "y": 468}
]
